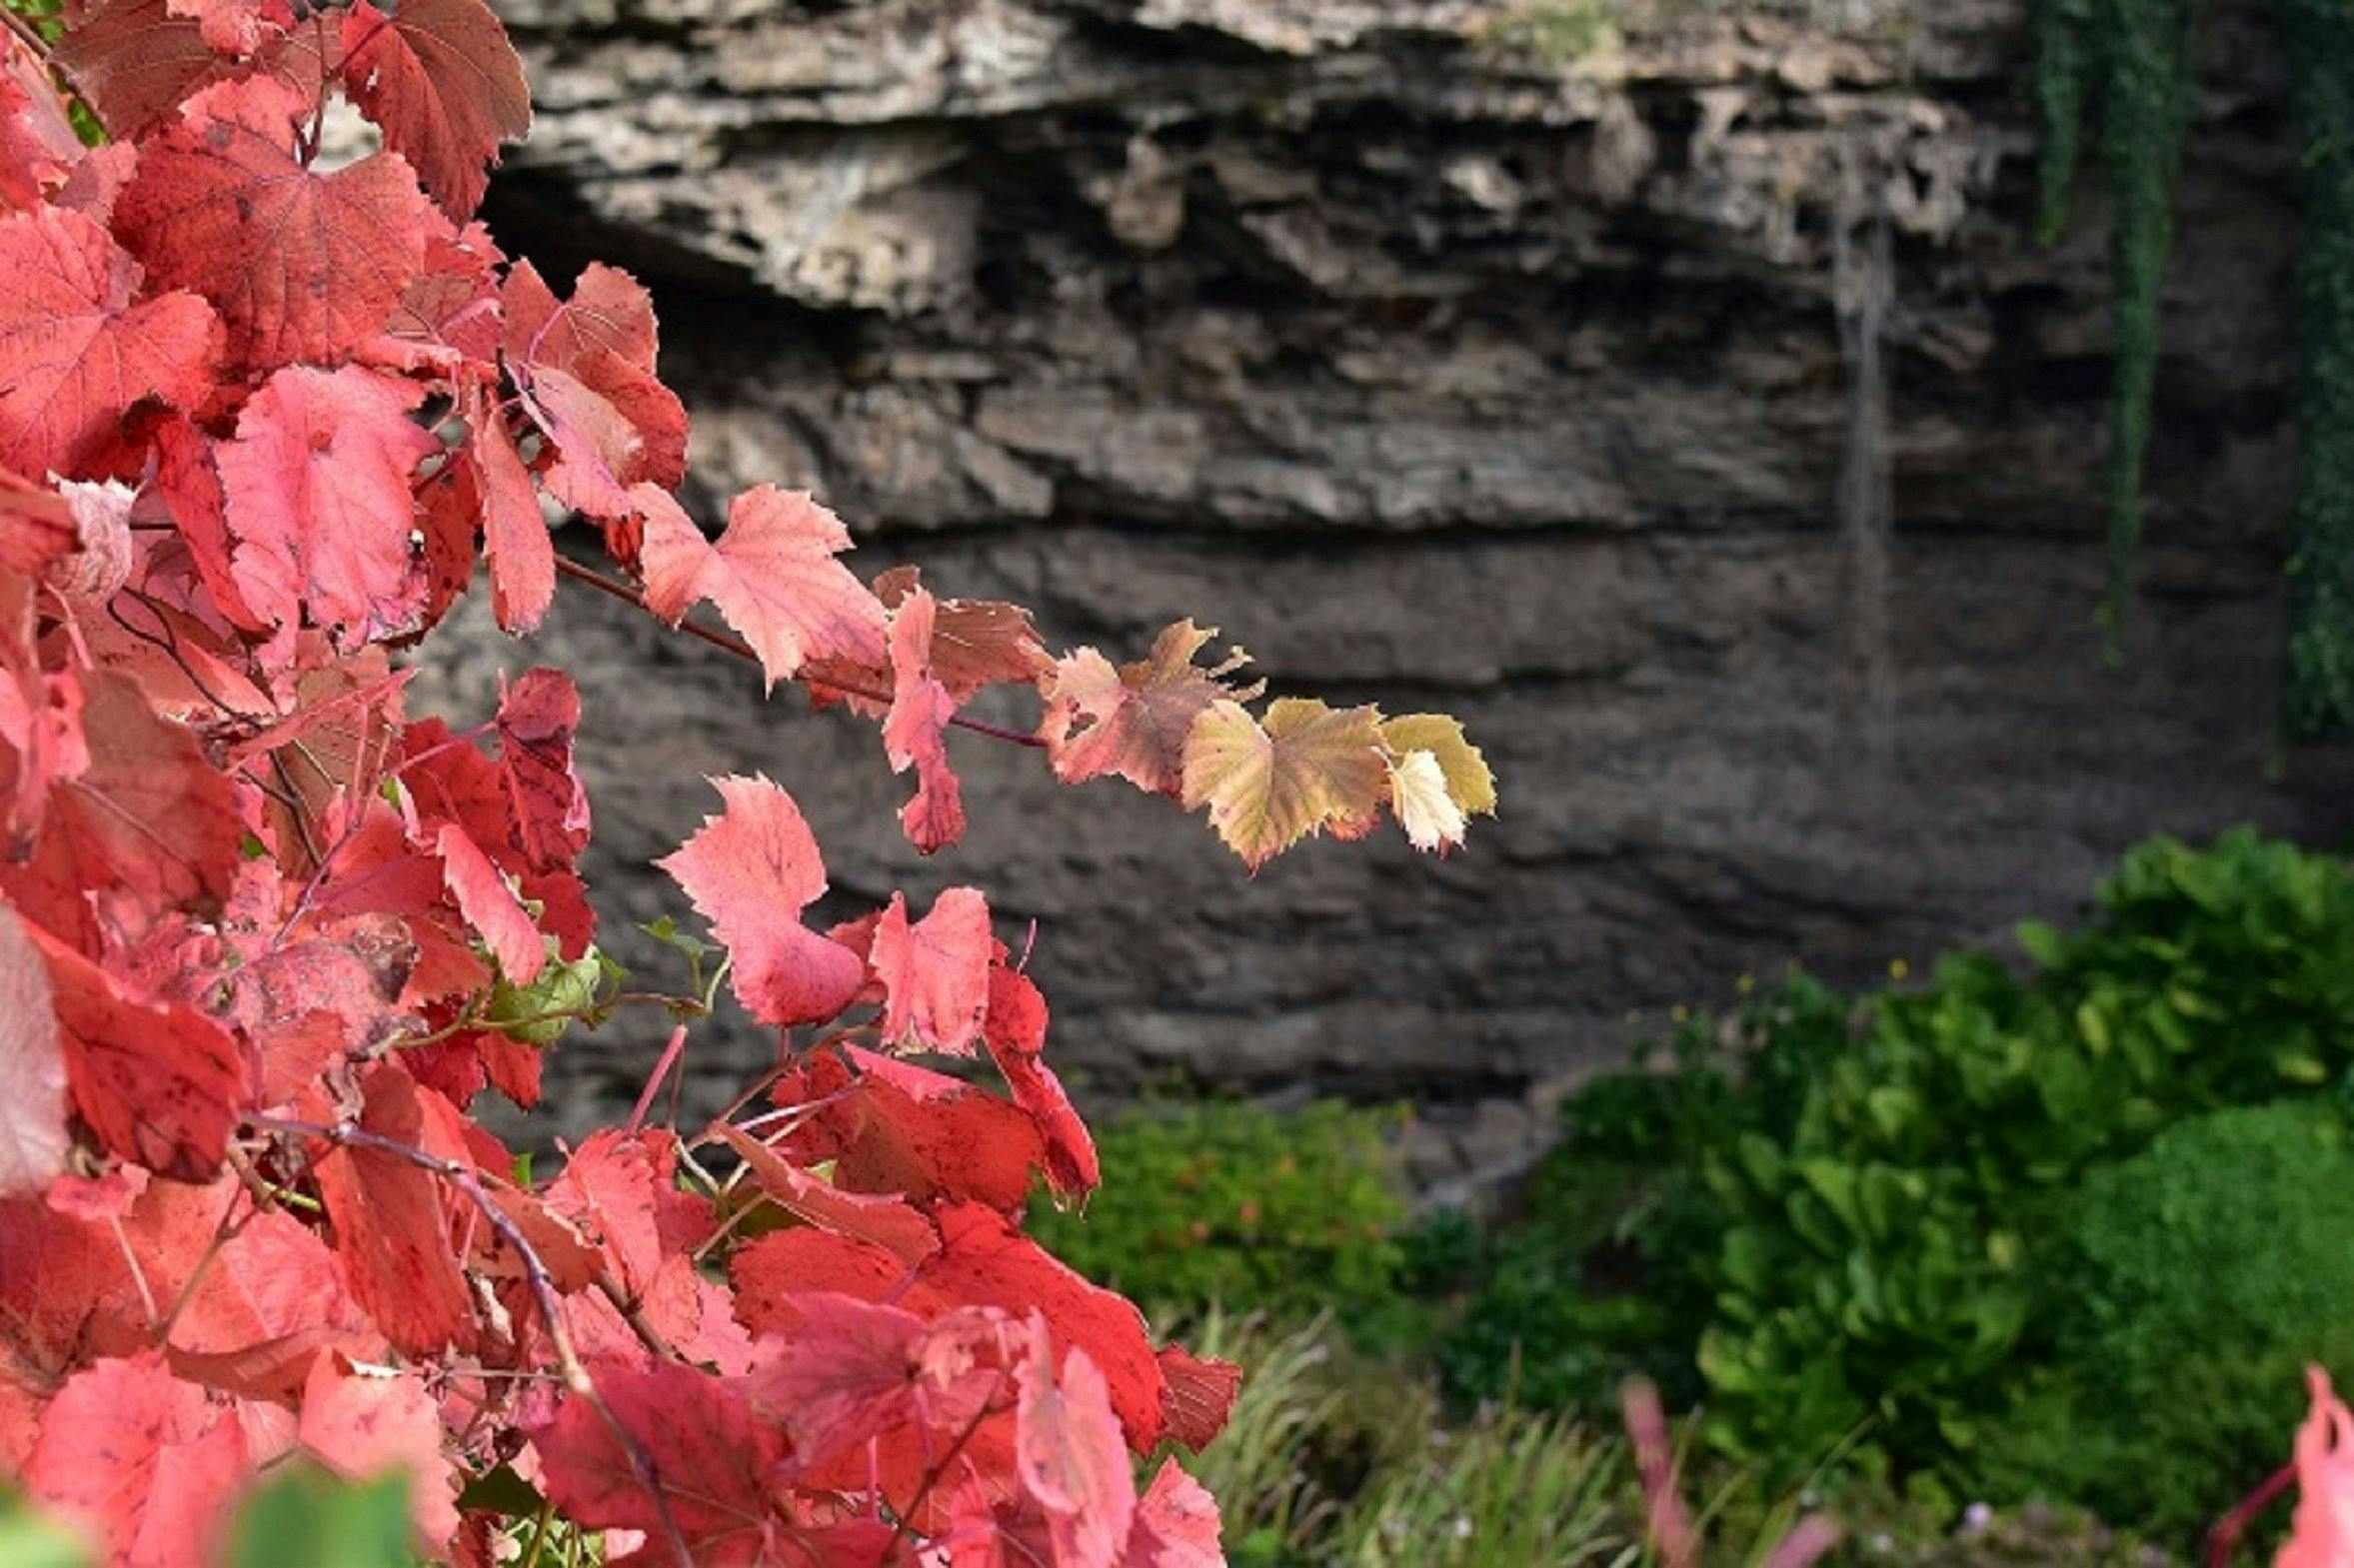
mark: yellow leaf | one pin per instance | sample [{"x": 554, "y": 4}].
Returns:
[
  {"x": 1468, "y": 782},
  {"x": 1310, "y": 767}
]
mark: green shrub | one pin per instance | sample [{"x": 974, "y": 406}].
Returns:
[
  {"x": 2191, "y": 1284},
  {"x": 1221, "y": 1202},
  {"x": 1835, "y": 1207}
]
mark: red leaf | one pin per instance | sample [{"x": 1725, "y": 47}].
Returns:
[
  {"x": 899, "y": 1128},
  {"x": 318, "y": 504},
  {"x": 772, "y": 576},
  {"x": 1071, "y": 1459},
  {"x": 390, "y": 1225},
  {"x": 33, "y": 1139},
  {"x": 523, "y": 557},
  {"x": 188, "y": 481},
  {"x": 1015, "y": 1031},
  {"x": 714, "y": 1462},
  {"x": 1134, "y": 720},
  {"x": 1177, "y": 1525},
  {"x": 985, "y": 1261},
  {"x": 230, "y": 27},
  {"x": 916, "y": 732},
  {"x": 588, "y": 371},
  {"x": 489, "y": 907},
  {"x": 621, "y": 1190},
  {"x": 149, "y": 825},
  {"x": 539, "y": 718},
  {"x": 883, "y": 1220},
  {"x": 144, "y": 1461},
  {"x": 364, "y": 1425},
  {"x": 135, "y": 61},
  {"x": 76, "y": 353},
  {"x": 751, "y": 871},
  {"x": 859, "y": 1370},
  {"x": 158, "y": 1083},
  {"x": 441, "y": 79},
  {"x": 1199, "y": 1396},
  {"x": 301, "y": 266},
  {"x": 975, "y": 643},
  {"x": 934, "y": 973},
  {"x": 257, "y": 1314}
]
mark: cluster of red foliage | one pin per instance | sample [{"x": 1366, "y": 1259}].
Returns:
[{"x": 265, "y": 937}]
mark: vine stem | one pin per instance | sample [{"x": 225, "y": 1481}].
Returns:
[
  {"x": 350, "y": 1135},
  {"x": 742, "y": 650},
  {"x": 2225, "y": 1537}
]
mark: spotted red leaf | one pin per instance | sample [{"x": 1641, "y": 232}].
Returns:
[
  {"x": 916, "y": 732},
  {"x": 538, "y": 719},
  {"x": 300, "y": 264},
  {"x": 76, "y": 352},
  {"x": 751, "y": 871},
  {"x": 772, "y": 574},
  {"x": 318, "y": 500},
  {"x": 935, "y": 971},
  {"x": 441, "y": 79}
]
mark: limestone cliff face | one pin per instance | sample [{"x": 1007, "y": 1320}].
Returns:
[{"x": 1669, "y": 389}]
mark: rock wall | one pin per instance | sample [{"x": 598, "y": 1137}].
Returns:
[{"x": 1669, "y": 389}]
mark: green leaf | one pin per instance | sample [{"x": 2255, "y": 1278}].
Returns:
[
  {"x": 665, "y": 931},
  {"x": 307, "y": 1516},
  {"x": 520, "y": 1011}
]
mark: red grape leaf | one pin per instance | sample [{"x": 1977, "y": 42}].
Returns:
[
  {"x": 861, "y": 1370},
  {"x": 489, "y": 907},
  {"x": 1134, "y": 720},
  {"x": 539, "y": 718},
  {"x": 751, "y": 871},
  {"x": 441, "y": 79},
  {"x": 1200, "y": 1395},
  {"x": 715, "y": 1463},
  {"x": 157, "y": 1082},
  {"x": 33, "y": 1139},
  {"x": 1177, "y": 1525},
  {"x": 260, "y": 1312},
  {"x": 76, "y": 353},
  {"x": 621, "y": 1190},
  {"x": 144, "y": 1461},
  {"x": 897, "y": 1128},
  {"x": 1309, "y": 769},
  {"x": 588, "y": 371},
  {"x": 390, "y": 1226},
  {"x": 975, "y": 643},
  {"x": 188, "y": 483},
  {"x": 364, "y": 1424},
  {"x": 934, "y": 973},
  {"x": 301, "y": 266},
  {"x": 134, "y": 61},
  {"x": 772, "y": 576},
  {"x": 318, "y": 500},
  {"x": 523, "y": 557},
  {"x": 886, "y": 1221},
  {"x": 1015, "y": 1032},
  {"x": 609, "y": 312},
  {"x": 1070, "y": 1456},
  {"x": 916, "y": 732},
  {"x": 985, "y": 1261}
]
